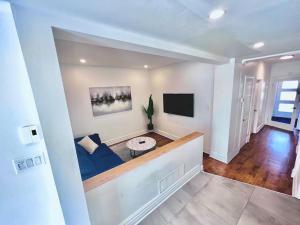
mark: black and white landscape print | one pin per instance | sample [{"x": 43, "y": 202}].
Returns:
[{"x": 106, "y": 100}]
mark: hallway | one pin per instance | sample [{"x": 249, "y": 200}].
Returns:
[
  {"x": 214, "y": 200},
  {"x": 266, "y": 161}
]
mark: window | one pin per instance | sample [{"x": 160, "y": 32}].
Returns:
[
  {"x": 284, "y": 107},
  {"x": 288, "y": 95},
  {"x": 290, "y": 84}
]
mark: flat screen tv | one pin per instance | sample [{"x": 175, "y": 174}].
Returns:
[{"x": 179, "y": 104}]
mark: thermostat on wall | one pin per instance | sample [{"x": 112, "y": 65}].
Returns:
[{"x": 29, "y": 134}]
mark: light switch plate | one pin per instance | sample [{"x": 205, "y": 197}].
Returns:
[
  {"x": 38, "y": 160},
  {"x": 28, "y": 162},
  {"x": 20, "y": 164}
]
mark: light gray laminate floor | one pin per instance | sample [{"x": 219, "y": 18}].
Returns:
[{"x": 213, "y": 200}]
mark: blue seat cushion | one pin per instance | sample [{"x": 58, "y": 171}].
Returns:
[
  {"x": 101, "y": 160},
  {"x": 107, "y": 163},
  {"x": 95, "y": 138},
  {"x": 86, "y": 166},
  {"x": 100, "y": 152},
  {"x": 104, "y": 156}
]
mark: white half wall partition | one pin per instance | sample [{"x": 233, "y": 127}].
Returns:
[{"x": 128, "y": 193}]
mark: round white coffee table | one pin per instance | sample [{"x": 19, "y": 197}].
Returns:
[{"x": 140, "y": 144}]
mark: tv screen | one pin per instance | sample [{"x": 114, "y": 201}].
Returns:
[{"x": 179, "y": 104}]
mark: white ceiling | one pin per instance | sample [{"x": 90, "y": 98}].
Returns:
[
  {"x": 276, "y": 22},
  {"x": 70, "y": 52}
]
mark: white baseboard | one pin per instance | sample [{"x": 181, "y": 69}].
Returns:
[
  {"x": 166, "y": 134},
  {"x": 259, "y": 128},
  {"x": 232, "y": 155},
  {"x": 149, "y": 207},
  {"x": 297, "y": 195},
  {"x": 175, "y": 137},
  {"x": 206, "y": 150},
  {"x": 218, "y": 156},
  {"x": 125, "y": 137}
]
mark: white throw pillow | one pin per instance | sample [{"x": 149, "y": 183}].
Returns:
[{"x": 88, "y": 144}]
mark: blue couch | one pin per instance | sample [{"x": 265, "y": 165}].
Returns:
[{"x": 101, "y": 160}]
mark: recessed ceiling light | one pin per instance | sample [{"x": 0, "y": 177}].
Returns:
[
  {"x": 216, "y": 14},
  {"x": 82, "y": 60},
  {"x": 258, "y": 45},
  {"x": 286, "y": 57},
  {"x": 146, "y": 66}
]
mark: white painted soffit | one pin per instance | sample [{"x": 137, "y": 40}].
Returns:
[{"x": 172, "y": 50}]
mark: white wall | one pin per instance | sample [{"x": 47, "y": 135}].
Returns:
[
  {"x": 260, "y": 71},
  {"x": 236, "y": 112},
  {"x": 113, "y": 127},
  {"x": 29, "y": 198},
  {"x": 227, "y": 106},
  {"x": 189, "y": 77},
  {"x": 221, "y": 116},
  {"x": 284, "y": 69},
  {"x": 39, "y": 52}
]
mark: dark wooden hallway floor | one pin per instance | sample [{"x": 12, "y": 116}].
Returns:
[{"x": 266, "y": 161}]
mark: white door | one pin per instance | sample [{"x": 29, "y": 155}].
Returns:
[
  {"x": 247, "y": 99},
  {"x": 256, "y": 103},
  {"x": 258, "y": 110},
  {"x": 285, "y": 104}
]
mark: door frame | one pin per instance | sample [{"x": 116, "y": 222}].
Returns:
[
  {"x": 255, "y": 127},
  {"x": 250, "y": 116},
  {"x": 273, "y": 91}
]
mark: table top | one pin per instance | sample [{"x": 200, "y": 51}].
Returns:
[{"x": 141, "y": 143}]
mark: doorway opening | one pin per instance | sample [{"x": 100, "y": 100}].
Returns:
[
  {"x": 285, "y": 107},
  {"x": 267, "y": 130},
  {"x": 247, "y": 105}
]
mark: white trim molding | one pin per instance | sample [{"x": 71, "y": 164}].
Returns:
[
  {"x": 218, "y": 156},
  {"x": 166, "y": 134},
  {"x": 145, "y": 210},
  {"x": 260, "y": 127},
  {"x": 125, "y": 137}
]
